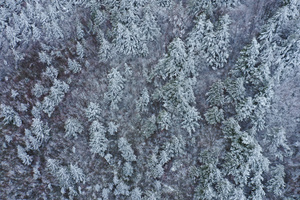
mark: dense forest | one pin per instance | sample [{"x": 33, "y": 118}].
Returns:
[{"x": 150, "y": 99}]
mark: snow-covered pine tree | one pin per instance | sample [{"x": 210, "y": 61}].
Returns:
[
  {"x": 143, "y": 101},
  {"x": 73, "y": 66},
  {"x": 105, "y": 50},
  {"x": 277, "y": 149},
  {"x": 211, "y": 182},
  {"x": 38, "y": 90},
  {"x": 73, "y": 127},
  {"x": 245, "y": 161},
  {"x": 98, "y": 141},
  {"x": 214, "y": 115},
  {"x": 26, "y": 159},
  {"x": 222, "y": 37},
  {"x": 149, "y": 27},
  {"x": 126, "y": 150},
  {"x": 79, "y": 50},
  {"x": 247, "y": 65},
  {"x": 136, "y": 194},
  {"x": 126, "y": 40},
  {"x": 77, "y": 173},
  {"x": 93, "y": 111},
  {"x": 51, "y": 73},
  {"x": 195, "y": 39},
  {"x": 177, "y": 93},
  {"x": 10, "y": 116},
  {"x": 115, "y": 89},
  {"x": 57, "y": 93},
  {"x": 216, "y": 94},
  {"x": 38, "y": 134}
]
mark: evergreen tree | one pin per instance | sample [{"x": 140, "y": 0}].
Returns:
[
  {"x": 73, "y": 66},
  {"x": 245, "y": 162},
  {"x": 76, "y": 173},
  {"x": 98, "y": 141},
  {"x": 222, "y": 37},
  {"x": 10, "y": 115},
  {"x": 215, "y": 95},
  {"x": 142, "y": 103},
  {"x": 38, "y": 90},
  {"x": 214, "y": 115},
  {"x": 57, "y": 93},
  {"x": 195, "y": 38},
  {"x": 115, "y": 89},
  {"x": 38, "y": 134},
  {"x": 73, "y": 127},
  {"x": 177, "y": 93},
  {"x": 26, "y": 159},
  {"x": 136, "y": 194},
  {"x": 149, "y": 27},
  {"x": 93, "y": 111},
  {"x": 127, "y": 41},
  {"x": 211, "y": 184},
  {"x": 105, "y": 50},
  {"x": 126, "y": 150},
  {"x": 247, "y": 65}
]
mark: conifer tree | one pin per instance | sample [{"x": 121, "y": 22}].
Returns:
[
  {"x": 26, "y": 159},
  {"x": 115, "y": 89},
  {"x": 98, "y": 141},
  {"x": 149, "y": 27},
  {"x": 126, "y": 150},
  {"x": 73, "y": 127},
  {"x": 177, "y": 93},
  {"x": 10, "y": 115}
]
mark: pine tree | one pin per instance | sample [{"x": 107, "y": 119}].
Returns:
[
  {"x": 73, "y": 66},
  {"x": 93, "y": 111},
  {"x": 210, "y": 45},
  {"x": 115, "y": 89},
  {"x": 73, "y": 127},
  {"x": 211, "y": 183},
  {"x": 52, "y": 165},
  {"x": 149, "y": 27},
  {"x": 112, "y": 128},
  {"x": 245, "y": 109},
  {"x": 214, "y": 115},
  {"x": 142, "y": 103},
  {"x": 236, "y": 90},
  {"x": 126, "y": 150},
  {"x": 38, "y": 134},
  {"x": 127, "y": 170},
  {"x": 195, "y": 38},
  {"x": 10, "y": 115},
  {"x": 79, "y": 50},
  {"x": 38, "y": 90},
  {"x": 164, "y": 120},
  {"x": 26, "y": 159},
  {"x": 136, "y": 194},
  {"x": 277, "y": 149},
  {"x": 76, "y": 173},
  {"x": 177, "y": 93},
  {"x": 247, "y": 65},
  {"x": 276, "y": 184},
  {"x": 222, "y": 37},
  {"x": 215, "y": 95},
  {"x": 57, "y": 93},
  {"x": 64, "y": 177},
  {"x": 105, "y": 50},
  {"x": 127, "y": 41},
  {"x": 98, "y": 141},
  {"x": 176, "y": 147},
  {"x": 245, "y": 161},
  {"x": 51, "y": 73}
]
